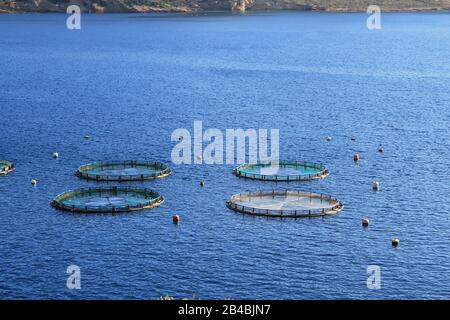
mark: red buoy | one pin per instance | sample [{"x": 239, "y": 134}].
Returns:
[
  {"x": 356, "y": 157},
  {"x": 176, "y": 218},
  {"x": 365, "y": 222}
]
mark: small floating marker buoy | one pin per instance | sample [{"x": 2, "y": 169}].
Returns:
[
  {"x": 202, "y": 183},
  {"x": 87, "y": 137},
  {"x": 375, "y": 186},
  {"x": 395, "y": 242},
  {"x": 176, "y": 219},
  {"x": 55, "y": 155},
  {"x": 365, "y": 222},
  {"x": 33, "y": 182},
  {"x": 380, "y": 149},
  {"x": 328, "y": 138},
  {"x": 353, "y": 138},
  {"x": 356, "y": 157}
]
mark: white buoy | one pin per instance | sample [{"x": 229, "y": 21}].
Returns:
[
  {"x": 55, "y": 155},
  {"x": 328, "y": 138},
  {"x": 375, "y": 186},
  {"x": 87, "y": 137},
  {"x": 395, "y": 242},
  {"x": 202, "y": 183},
  {"x": 33, "y": 182}
]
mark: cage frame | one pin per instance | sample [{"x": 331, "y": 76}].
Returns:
[
  {"x": 288, "y": 213},
  {"x": 82, "y": 171},
  {"x": 323, "y": 171},
  {"x": 155, "y": 200},
  {"x": 8, "y": 167}
]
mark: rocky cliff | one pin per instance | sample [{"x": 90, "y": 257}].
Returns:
[{"x": 218, "y": 5}]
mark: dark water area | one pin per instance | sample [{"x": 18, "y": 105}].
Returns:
[{"x": 129, "y": 81}]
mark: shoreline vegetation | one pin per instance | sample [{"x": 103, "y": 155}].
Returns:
[{"x": 203, "y": 6}]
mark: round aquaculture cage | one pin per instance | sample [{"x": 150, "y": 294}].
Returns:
[
  {"x": 282, "y": 171},
  {"x": 107, "y": 200},
  {"x": 284, "y": 204},
  {"x": 123, "y": 171},
  {"x": 6, "y": 167}
]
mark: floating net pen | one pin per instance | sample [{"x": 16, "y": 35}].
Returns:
[
  {"x": 284, "y": 204},
  {"x": 6, "y": 167},
  {"x": 123, "y": 171},
  {"x": 282, "y": 171},
  {"x": 107, "y": 200}
]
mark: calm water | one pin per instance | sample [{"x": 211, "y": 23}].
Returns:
[{"x": 128, "y": 81}]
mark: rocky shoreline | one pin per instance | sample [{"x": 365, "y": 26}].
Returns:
[{"x": 189, "y": 6}]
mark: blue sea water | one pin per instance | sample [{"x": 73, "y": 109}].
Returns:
[{"x": 129, "y": 80}]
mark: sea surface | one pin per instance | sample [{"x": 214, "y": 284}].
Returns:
[{"x": 129, "y": 80}]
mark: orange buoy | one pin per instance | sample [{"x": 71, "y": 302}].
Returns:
[
  {"x": 395, "y": 242},
  {"x": 356, "y": 157},
  {"x": 176, "y": 218},
  {"x": 365, "y": 222}
]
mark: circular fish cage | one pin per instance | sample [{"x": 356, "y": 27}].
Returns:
[
  {"x": 6, "y": 167},
  {"x": 107, "y": 200},
  {"x": 282, "y": 171},
  {"x": 284, "y": 204},
  {"x": 123, "y": 171}
]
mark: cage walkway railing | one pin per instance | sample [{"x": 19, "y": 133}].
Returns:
[
  {"x": 162, "y": 170},
  {"x": 285, "y": 213},
  {"x": 322, "y": 171},
  {"x": 153, "y": 199},
  {"x": 6, "y": 167}
]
